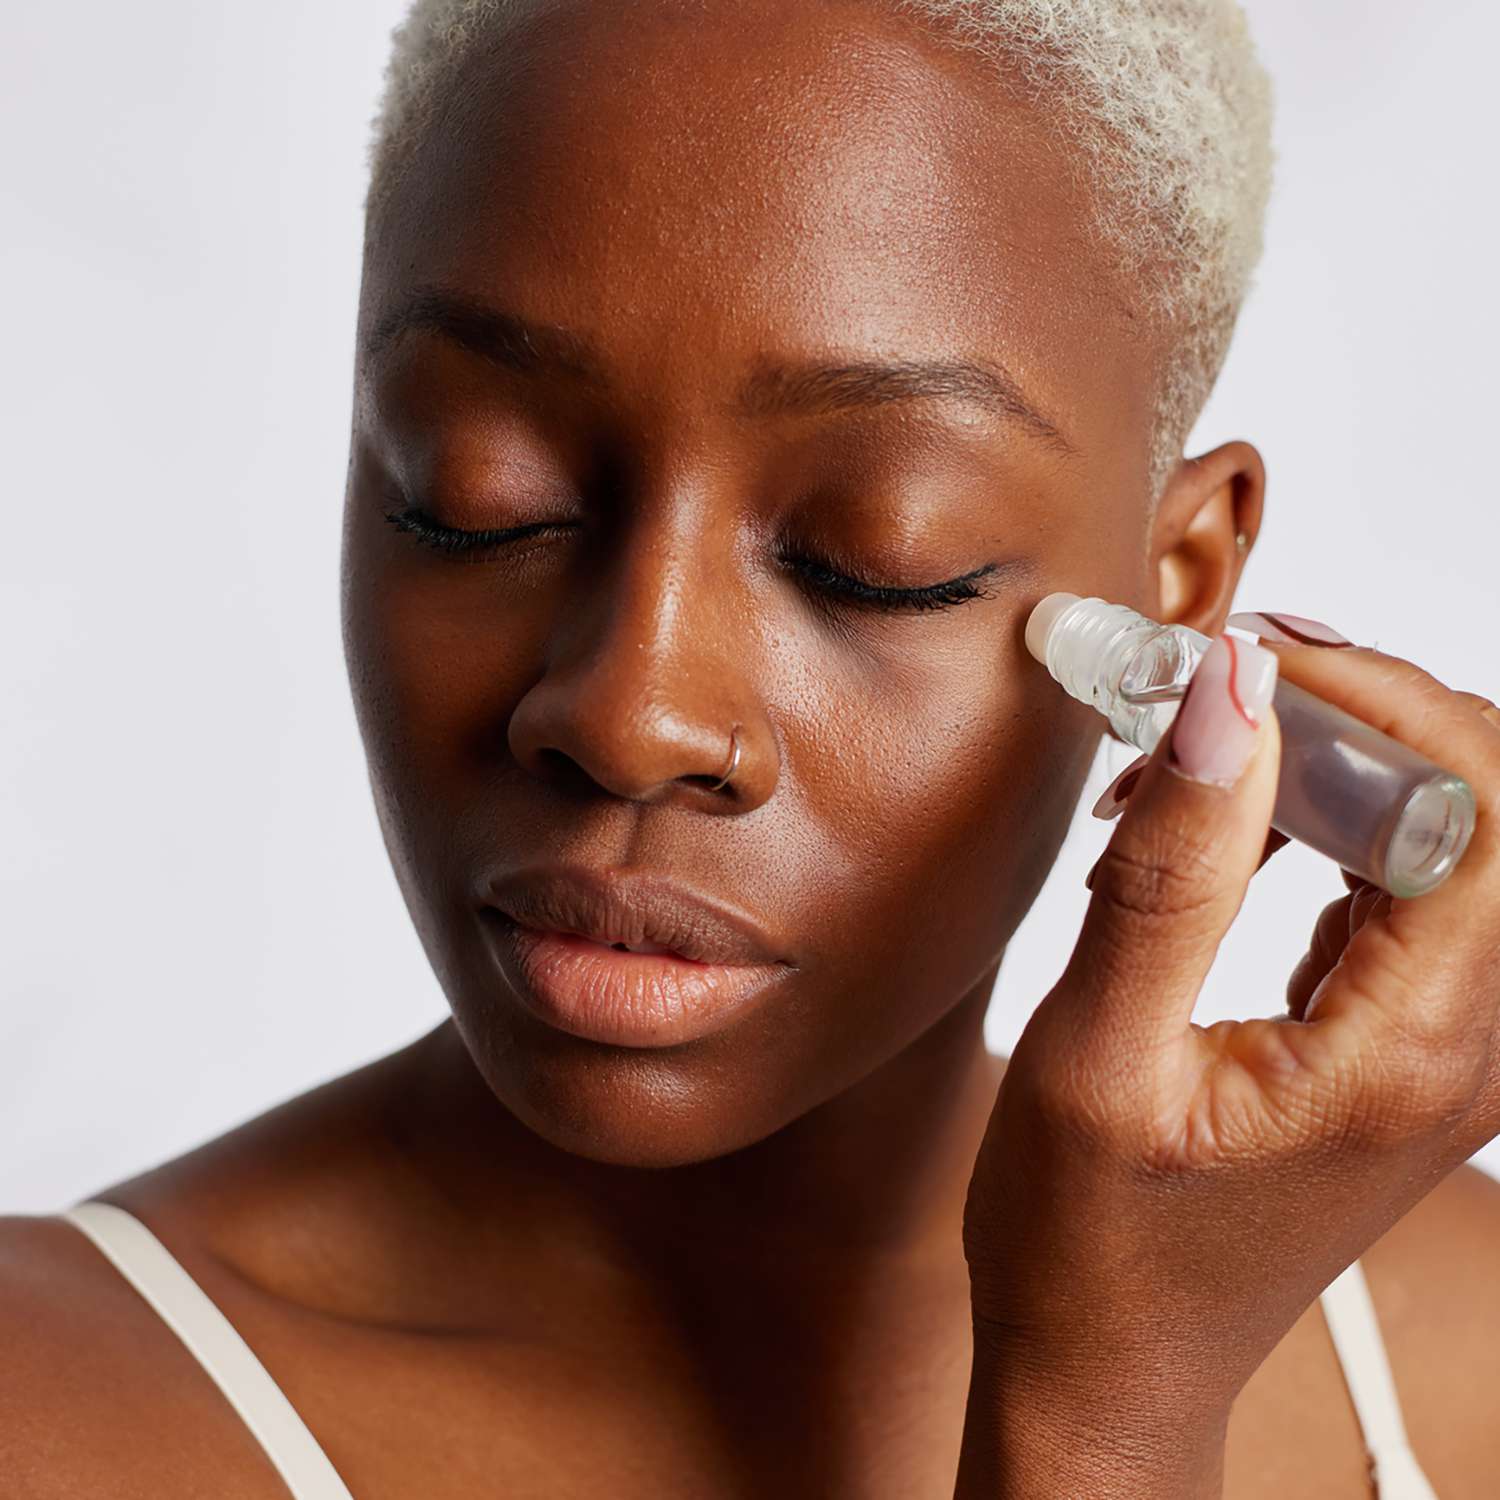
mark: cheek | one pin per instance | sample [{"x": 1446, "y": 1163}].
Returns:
[
  {"x": 433, "y": 667},
  {"x": 952, "y": 795},
  {"x": 428, "y": 678}
]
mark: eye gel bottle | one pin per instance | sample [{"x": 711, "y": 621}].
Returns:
[{"x": 1369, "y": 802}]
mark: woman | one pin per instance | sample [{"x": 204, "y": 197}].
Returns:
[{"x": 730, "y": 386}]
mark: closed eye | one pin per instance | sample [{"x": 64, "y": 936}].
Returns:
[
  {"x": 451, "y": 539},
  {"x": 477, "y": 546},
  {"x": 930, "y": 596}
]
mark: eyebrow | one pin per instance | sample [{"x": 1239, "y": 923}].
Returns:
[{"x": 774, "y": 389}]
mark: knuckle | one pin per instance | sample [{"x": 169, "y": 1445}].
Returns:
[
  {"x": 1217, "y": 1126},
  {"x": 1423, "y": 1069},
  {"x": 1415, "y": 693},
  {"x": 1170, "y": 875},
  {"x": 1079, "y": 1118},
  {"x": 1079, "y": 1104},
  {"x": 1419, "y": 1091},
  {"x": 1395, "y": 971},
  {"x": 1331, "y": 930},
  {"x": 1485, "y": 707},
  {"x": 1415, "y": 1024},
  {"x": 1430, "y": 688}
]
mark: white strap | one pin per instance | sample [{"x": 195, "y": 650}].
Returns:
[
  {"x": 1350, "y": 1313},
  {"x": 149, "y": 1267}
]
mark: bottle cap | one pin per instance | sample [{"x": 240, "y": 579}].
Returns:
[{"x": 1039, "y": 626}]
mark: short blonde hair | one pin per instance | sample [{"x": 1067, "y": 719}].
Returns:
[{"x": 1166, "y": 98}]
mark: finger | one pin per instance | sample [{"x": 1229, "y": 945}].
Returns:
[
  {"x": 1361, "y": 1022},
  {"x": 1407, "y": 978},
  {"x": 1482, "y": 706},
  {"x": 1280, "y": 629},
  {"x": 1173, "y": 876},
  {"x": 1272, "y": 625},
  {"x": 1336, "y": 925},
  {"x": 1275, "y": 840},
  {"x": 1111, "y": 801},
  {"x": 1329, "y": 939},
  {"x": 1368, "y": 901}
]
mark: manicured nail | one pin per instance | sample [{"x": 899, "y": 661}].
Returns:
[
  {"x": 1214, "y": 733},
  {"x": 1293, "y": 630},
  {"x": 1111, "y": 801}
]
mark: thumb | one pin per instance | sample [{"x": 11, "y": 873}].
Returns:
[{"x": 1174, "y": 874}]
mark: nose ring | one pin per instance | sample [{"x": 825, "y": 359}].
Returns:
[{"x": 734, "y": 760}]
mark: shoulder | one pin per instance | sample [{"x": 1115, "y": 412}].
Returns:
[
  {"x": 1294, "y": 1431},
  {"x": 97, "y": 1394},
  {"x": 91, "y": 1379},
  {"x": 1432, "y": 1274},
  {"x": 1437, "y": 1298}
]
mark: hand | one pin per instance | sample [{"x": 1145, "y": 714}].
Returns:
[{"x": 1155, "y": 1202}]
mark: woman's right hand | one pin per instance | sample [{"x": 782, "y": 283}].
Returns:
[{"x": 1155, "y": 1203}]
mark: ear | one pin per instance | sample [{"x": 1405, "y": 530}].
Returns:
[{"x": 1207, "y": 504}]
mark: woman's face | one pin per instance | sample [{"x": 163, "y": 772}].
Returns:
[{"x": 672, "y": 290}]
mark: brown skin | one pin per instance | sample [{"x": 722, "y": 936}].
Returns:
[
  {"x": 452, "y": 1260},
  {"x": 1156, "y": 1203}
]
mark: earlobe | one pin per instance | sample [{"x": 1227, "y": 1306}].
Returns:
[{"x": 1208, "y": 506}]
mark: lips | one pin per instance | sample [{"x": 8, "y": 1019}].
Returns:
[
  {"x": 553, "y": 932},
  {"x": 637, "y": 908}
]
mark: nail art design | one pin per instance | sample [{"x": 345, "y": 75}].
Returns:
[
  {"x": 1214, "y": 732},
  {"x": 1293, "y": 630},
  {"x": 1112, "y": 800}
]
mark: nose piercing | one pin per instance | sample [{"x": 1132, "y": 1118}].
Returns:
[{"x": 734, "y": 760}]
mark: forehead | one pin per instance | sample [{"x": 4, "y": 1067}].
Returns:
[{"x": 691, "y": 192}]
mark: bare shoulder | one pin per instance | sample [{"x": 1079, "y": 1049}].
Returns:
[
  {"x": 1433, "y": 1280},
  {"x": 97, "y": 1396},
  {"x": 1294, "y": 1432},
  {"x": 1442, "y": 1256}
]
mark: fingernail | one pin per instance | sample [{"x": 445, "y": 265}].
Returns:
[
  {"x": 1294, "y": 630},
  {"x": 1214, "y": 733},
  {"x": 1111, "y": 801}
]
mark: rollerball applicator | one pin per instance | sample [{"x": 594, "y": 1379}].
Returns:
[{"x": 1377, "y": 807}]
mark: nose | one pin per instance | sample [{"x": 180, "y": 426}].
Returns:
[{"x": 647, "y": 692}]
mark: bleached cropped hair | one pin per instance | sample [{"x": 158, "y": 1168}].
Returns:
[{"x": 1165, "y": 98}]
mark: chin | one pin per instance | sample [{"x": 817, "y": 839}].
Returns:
[{"x": 625, "y": 1106}]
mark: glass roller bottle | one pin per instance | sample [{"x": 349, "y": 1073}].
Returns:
[{"x": 1377, "y": 807}]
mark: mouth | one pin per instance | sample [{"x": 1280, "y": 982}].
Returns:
[
  {"x": 638, "y": 909},
  {"x": 627, "y": 958}
]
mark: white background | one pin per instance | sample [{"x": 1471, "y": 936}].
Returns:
[{"x": 199, "y": 917}]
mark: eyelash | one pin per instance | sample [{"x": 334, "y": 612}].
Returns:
[{"x": 475, "y": 546}]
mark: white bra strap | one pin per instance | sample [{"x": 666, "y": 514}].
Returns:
[
  {"x": 150, "y": 1268},
  {"x": 1350, "y": 1314}
]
